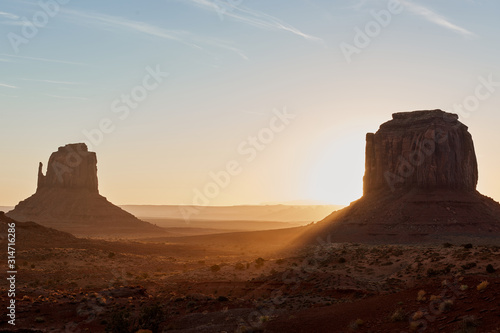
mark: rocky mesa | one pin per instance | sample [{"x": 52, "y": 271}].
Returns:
[
  {"x": 419, "y": 186},
  {"x": 67, "y": 198}
]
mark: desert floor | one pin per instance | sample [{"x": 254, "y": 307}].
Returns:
[{"x": 124, "y": 286}]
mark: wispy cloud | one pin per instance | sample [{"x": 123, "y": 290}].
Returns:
[
  {"x": 66, "y": 97},
  {"x": 7, "y": 86},
  {"x": 435, "y": 18},
  {"x": 9, "y": 15},
  {"x": 51, "y": 81},
  {"x": 181, "y": 36},
  {"x": 119, "y": 22},
  {"x": 424, "y": 12},
  {"x": 254, "y": 18},
  {"x": 43, "y": 59},
  {"x": 13, "y": 23}
]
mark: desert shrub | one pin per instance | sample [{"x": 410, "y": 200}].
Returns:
[
  {"x": 414, "y": 325},
  {"x": 467, "y": 246},
  {"x": 150, "y": 317},
  {"x": 398, "y": 315},
  {"x": 417, "y": 315},
  {"x": 259, "y": 262},
  {"x": 482, "y": 286},
  {"x": 215, "y": 268},
  {"x": 468, "y": 324},
  {"x": 432, "y": 272},
  {"x": 280, "y": 261},
  {"x": 111, "y": 255},
  {"x": 239, "y": 266},
  {"x": 469, "y": 265},
  {"x": 357, "y": 324},
  {"x": 342, "y": 260},
  {"x": 264, "y": 319},
  {"x": 421, "y": 295},
  {"x": 447, "y": 245},
  {"x": 446, "y": 305},
  {"x": 222, "y": 299},
  {"x": 464, "y": 287},
  {"x": 120, "y": 322},
  {"x": 490, "y": 269}
]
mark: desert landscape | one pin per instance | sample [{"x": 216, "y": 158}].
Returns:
[
  {"x": 237, "y": 166},
  {"x": 422, "y": 257}
]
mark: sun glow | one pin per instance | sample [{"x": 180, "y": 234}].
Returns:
[{"x": 336, "y": 175}]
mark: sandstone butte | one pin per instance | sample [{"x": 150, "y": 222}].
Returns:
[
  {"x": 419, "y": 186},
  {"x": 67, "y": 198}
]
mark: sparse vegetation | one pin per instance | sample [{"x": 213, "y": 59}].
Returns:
[
  {"x": 239, "y": 267},
  {"x": 417, "y": 315},
  {"x": 398, "y": 315},
  {"x": 469, "y": 265},
  {"x": 358, "y": 323},
  {"x": 468, "y": 324},
  {"x": 490, "y": 269},
  {"x": 259, "y": 262},
  {"x": 120, "y": 322},
  {"x": 150, "y": 318},
  {"x": 446, "y": 305},
  {"x": 414, "y": 325},
  {"x": 482, "y": 286}
]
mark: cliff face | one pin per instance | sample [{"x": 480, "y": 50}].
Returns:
[
  {"x": 67, "y": 198},
  {"x": 72, "y": 166},
  {"x": 420, "y": 149}
]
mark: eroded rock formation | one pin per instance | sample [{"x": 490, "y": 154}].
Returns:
[
  {"x": 419, "y": 186},
  {"x": 67, "y": 198},
  {"x": 420, "y": 149},
  {"x": 71, "y": 166}
]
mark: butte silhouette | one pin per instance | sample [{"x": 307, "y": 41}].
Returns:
[
  {"x": 67, "y": 198},
  {"x": 419, "y": 186}
]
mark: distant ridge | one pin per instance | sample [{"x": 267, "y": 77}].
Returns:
[{"x": 277, "y": 213}]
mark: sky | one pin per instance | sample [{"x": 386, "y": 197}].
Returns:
[{"x": 227, "y": 102}]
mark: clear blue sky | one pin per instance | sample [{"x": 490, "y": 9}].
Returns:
[{"x": 232, "y": 66}]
